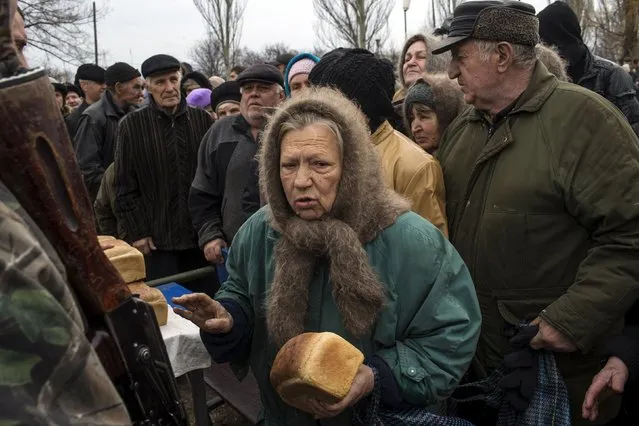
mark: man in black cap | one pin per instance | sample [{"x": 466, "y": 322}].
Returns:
[
  {"x": 74, "y": 97},
  {"x": 225, "y": 99},
  {"x": 282, "y": 61},
  {"x": 155, "y": 163},
  {"x": 60, "y": 90},
  {"x": 90, "y": 79},
  {"x": 370, "y": 83},
  {"x": 225, "y": 190},
  {"x": 94, "y": 140},
  {"x": 542, "y": 199},
  {"x": 559, "y": 27}
]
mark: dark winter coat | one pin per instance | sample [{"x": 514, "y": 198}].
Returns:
[
  {"x": 94, "y": 140},
  {"x": 225, "y": 190},
  {"x": 613, "y": 83},
  {"x": 73, "y": 119},
  {"x": 542, "y": 206},
  {"x": 155, "y": 162}
]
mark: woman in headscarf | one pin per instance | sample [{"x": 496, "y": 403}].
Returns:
[
  {"x": 336, "y": 250},
  {"x": 431, "y": 104}
]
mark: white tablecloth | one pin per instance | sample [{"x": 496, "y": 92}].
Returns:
[{"x": 183, "y": 345}]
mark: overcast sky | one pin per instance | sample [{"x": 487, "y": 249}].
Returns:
[{"x": 133, "y": 30}]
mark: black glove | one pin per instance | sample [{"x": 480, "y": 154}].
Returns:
[{"x": 522, "y": 366}]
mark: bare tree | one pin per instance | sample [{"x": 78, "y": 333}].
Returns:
[
  {"x": 59, "y": 28},
  {"x": 354, "y": 23},
  {"x": 269, "y": 52},
  {"x": 207, "y": 56},
  {"x": 224, "y": 18}
]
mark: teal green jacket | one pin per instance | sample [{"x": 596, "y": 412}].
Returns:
[{"x": 427, "y": 333}]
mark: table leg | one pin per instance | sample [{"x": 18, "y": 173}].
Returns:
[{"x": 198, "y": 390}]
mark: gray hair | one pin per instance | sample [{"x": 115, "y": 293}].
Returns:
[
  {"x": 302, "y": 120},
  {"x": 524, "y": 56}
]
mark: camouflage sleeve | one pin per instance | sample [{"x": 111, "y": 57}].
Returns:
[{"x": 49, "y": 373}]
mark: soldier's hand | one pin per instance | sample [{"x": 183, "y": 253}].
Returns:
[
  {"x": 206, "y": 313},
  {"x": 145, "y": 245},
  {"x": 213, "y": 251},
  {"x": 550, "y": 339}
]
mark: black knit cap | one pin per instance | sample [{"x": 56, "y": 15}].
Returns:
[
  {"x": 559, "y": 26},
  {"x": 419, "y": 93},
  {"x": 261, "y": 73},
  {"x": 90, "y": 72},
  {"x": 365, "y": 79},
  {"x": 225, "y": 92},
  {"x": 159, "y": 64},
  {"x": 510, "y": 21},
  {"x": 120, "y": 72}
]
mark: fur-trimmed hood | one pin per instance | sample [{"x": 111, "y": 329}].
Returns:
[
  {"x": 447, "y": 100},
  {"x": 364, "y": 201},
  {"x": 363, "y": 208}
]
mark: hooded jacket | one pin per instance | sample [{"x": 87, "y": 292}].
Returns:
[
  {"x": 559, "y": 26},
  {"x": 423, "y": 336},
  {"x": 542, "y": 206},
  {"x": 287, "y": 87}
]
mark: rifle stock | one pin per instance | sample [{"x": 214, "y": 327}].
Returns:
[{"x": 38, "y": 165}]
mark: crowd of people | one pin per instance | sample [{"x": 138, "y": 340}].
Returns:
[{"x": 429, "y": 212}]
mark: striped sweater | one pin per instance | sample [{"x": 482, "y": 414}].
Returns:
[{"x": 155, "y": 162}]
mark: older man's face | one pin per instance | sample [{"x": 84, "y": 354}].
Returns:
[
  {"x": 257, "y": 101},
  {"x": 19, "y": 37},
  {"x": 479, "y": 80},
  {"x": 165, "y": 89}
]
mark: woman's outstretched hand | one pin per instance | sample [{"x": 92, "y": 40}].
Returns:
[{"x": 206, "y": 313}]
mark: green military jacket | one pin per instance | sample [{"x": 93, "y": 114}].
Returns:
[
  {"x": 427, "y": 333},
  {"x": 544, "y": 209}
]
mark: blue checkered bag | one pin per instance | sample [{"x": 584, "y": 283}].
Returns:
[{"x": 549, "y": 405}]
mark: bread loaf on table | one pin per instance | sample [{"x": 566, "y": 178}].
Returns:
[
  {"x": 153, "y": 297},
  {"x": 128, "y": 260},
  {"x": 315, "y": 365},
  {"x": 130, "y": 264}
]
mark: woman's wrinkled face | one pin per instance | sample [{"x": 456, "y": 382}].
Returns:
[
  {"x": 310, "y": 170},
  {"x": 424, "y": 126},
  {"x": 414, "y": 62},
  {"x": 189, "y": 86}
]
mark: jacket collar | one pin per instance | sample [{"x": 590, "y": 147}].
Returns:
[
  {"x": 382, "y": 133},
  {"x": 542, "y": 84},
  {"x": 111, "y": 108},
  {"x": 181, "y": 109}
]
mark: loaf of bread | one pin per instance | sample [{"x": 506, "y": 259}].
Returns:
[
  {"x": 153, "y": 297},
  {"x": 315, "y": 365},
  {"x": 127, "y": 260}
]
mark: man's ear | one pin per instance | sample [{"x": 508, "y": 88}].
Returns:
[
  {"x": 506, "y": 56},
  {"x": 282, "y": 96}
]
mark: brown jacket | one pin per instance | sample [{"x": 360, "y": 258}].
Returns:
[{"x": 412, "y": 173}]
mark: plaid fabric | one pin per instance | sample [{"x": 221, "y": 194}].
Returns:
[{"x": 549, "y": 405}]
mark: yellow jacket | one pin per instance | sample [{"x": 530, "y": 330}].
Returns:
[{"x": 412, "y": 173}]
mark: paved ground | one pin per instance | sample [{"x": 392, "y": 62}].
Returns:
[{"x": 221, "y": 416}]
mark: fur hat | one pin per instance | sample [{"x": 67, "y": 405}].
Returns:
[
  {"x": 364, "y": 78},
  {"x": 364, "y": 207},
  {"x": 437, "y": 92},
  {"x": 228, "y": 91},
  {"x": 511, "y": 21},
  {"x": 550, "y": 58}
]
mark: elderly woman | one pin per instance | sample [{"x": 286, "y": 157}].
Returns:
[
  {"x": 431, "y": 104},
  {"x": 194, "y": 80},
  {"x": 336, "y": 250},
  {"x": 415, "y": 60}
]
